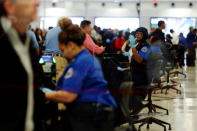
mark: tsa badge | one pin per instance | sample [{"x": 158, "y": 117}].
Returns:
[
  {"x": 144, "y": 49},
  {"x": 69, "y": 73}
]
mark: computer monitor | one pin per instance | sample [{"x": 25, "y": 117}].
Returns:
[
  {"x": 47, "y": 58},
  {"x": 47, "y": 62}
]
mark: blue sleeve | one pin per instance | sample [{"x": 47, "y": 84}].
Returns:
[
  {"x": 33, "y": 37},
  {"x": 74, "y": 78},
  {"x": 144, "y": 52}
]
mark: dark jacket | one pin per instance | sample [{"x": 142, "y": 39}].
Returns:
[
  {"x": 183, "y": 41},
  {"x": 190, "y": 39},
  {"x": 140, "y": 70},
  {"x": 13, "y": 86},
  {"x": 160, "y": 34}
]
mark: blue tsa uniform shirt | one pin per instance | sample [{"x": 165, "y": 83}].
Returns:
[
  {"x": 84, "y": 77},
  {"x": 139, "y": 70}
]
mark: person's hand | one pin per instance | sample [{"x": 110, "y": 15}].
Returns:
[
  {"x": 108, "y": 41},
  {"x": 126, "y": 54},
  {"x": 103, "y": 47},
  {"x": 44, "y": 90},
  {"x": 120, "y": 69},
  {"x": 132, "y": 41}
]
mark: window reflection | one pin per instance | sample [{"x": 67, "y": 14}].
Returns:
[{"x": 117, "y": 23}]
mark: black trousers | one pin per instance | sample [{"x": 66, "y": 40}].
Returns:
[
  {"x": 181, "y": 55},
  {"x": 191, "y": 56},
  {"x": 175, "y": 47},
  {"x": 88, "y": 117},
  {"x": 136, "y": 99},
  {"x": 192, "y": 53}
]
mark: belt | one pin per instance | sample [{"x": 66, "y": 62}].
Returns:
[
  {"x": 103, "y": 107},
  {"x": 89, "y": 107}
]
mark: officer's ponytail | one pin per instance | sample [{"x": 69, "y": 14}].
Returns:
[{"x": 70, "y": 32}]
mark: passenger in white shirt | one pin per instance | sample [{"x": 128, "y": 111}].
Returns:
[{"x": 175, "y": 37}]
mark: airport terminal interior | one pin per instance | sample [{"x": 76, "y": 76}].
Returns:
[{"x": 98, "y": 65}]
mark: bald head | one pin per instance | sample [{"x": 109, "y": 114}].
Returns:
[{"x": 20, "y": 12}]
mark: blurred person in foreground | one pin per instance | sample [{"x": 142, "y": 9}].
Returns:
[{"x": 20, "y": 68}]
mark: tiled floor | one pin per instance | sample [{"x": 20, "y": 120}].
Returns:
[{"x": 182, "y": 111}]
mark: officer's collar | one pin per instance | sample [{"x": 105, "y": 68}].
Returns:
[{"x": 76, "y": 57}]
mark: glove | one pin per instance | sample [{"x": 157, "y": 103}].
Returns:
[
  {"x": 44, "y": 90},
  {"x": 120, "y": 69},
  {"x": 132, "y": 41},
  {"x": 108, "y": 41},
  {"x": 126, "y": 54}
]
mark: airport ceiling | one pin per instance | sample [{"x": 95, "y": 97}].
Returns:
[{"x": 118, "y": 0}]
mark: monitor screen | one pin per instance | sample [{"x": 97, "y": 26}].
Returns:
[{"x": 47, "y": 58}]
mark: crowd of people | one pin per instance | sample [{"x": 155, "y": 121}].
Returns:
[{"x": 117, "y": 41}]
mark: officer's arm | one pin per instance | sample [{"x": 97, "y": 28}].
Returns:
[
  {"x": 72, "y": 84},
  {"x": 61, "y": 96},
  {"x": 127, "y": 69},
  {"x": 137, "y": 57}
]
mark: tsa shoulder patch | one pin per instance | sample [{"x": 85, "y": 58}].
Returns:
[
  {"x": 144, "y": 52},
  {"x": 144, "y": 49},
  {"x": 69, "y": 73}
]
